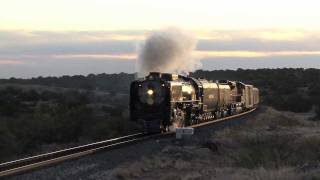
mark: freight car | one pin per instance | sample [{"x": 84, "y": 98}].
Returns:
[{"x": 163, "y": 101}]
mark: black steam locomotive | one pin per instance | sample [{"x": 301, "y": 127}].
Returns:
[{"x": 163, "y": 101}]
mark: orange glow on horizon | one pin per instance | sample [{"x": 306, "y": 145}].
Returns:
[
  {"x": 97, "y": 56},
  {"x": 11, "y": 62},
  {"x": 196, "y": 54}
]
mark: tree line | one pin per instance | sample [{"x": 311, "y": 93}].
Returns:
[{"x": 30, "y": 119}]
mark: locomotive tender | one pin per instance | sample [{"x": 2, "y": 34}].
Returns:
[{"x": 164, "y": 102}]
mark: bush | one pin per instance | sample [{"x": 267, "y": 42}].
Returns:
[
  {"x": 263, "y": 149},
  {"x": 8, "y": 146},
  {"x": 299, "y": 103}
]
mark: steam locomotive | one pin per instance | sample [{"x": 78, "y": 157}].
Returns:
[{"x": 163, "y": 102}]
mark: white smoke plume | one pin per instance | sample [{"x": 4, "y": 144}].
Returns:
[{"x": 167, "y": 51}]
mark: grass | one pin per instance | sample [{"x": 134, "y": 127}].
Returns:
[
  {"x": 273, "y": 145},
  {"x": 272, "y": 140}
]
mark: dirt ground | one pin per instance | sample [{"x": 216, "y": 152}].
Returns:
[
  {"x": 272, "y": 145},
  {"x": 264, "y": 145}
]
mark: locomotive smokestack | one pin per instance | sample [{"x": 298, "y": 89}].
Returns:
[{"x": 167, "y": 51}]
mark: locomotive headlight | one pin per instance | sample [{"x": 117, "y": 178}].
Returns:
[{"x": 150, "y": 92}]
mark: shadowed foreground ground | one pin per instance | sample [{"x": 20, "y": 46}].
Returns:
[
  {"x": 272, "y": 145},
  {"x": 266, "y": 144}
]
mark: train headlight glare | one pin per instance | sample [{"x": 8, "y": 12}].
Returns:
[{"x": 150, "y": 92}]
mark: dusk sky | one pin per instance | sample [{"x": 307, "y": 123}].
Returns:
[{"x": 68, "y": 37}]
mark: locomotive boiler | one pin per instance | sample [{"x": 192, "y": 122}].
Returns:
[{"x": 164, "y": 102}]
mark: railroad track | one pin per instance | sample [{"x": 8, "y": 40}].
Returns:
[
  {"x": 31, "y": 163},
  {"x": 34, "y": 162}
]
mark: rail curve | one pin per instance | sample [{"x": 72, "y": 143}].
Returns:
[{"x": 43, "y": 160}]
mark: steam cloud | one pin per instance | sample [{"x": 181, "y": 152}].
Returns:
[{"x": 168, "y": 51}]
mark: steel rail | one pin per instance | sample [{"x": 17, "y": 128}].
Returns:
[
  {"x": 43, "y": 160},
  {"x": 21, "y": 165}
]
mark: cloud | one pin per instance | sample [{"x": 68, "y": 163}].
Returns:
[
  {"x": 254, "y": 54},
  {"x": 262, "y": 62},
  {"x": 262, "y": 34},
  {"x": 32, "y": 53},
  {"x": 10, "y": 62},
  {"x": 260, "y": 40},
  {"x": 53, "y": 67},
  {"x": 97, "y": 56},
  {"x": 124, "y": 42}
]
